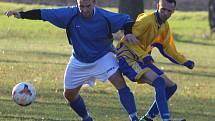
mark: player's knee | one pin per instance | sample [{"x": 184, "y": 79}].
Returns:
[
  {"x": 66, "y": 95},
  {"x": 159, "y": 82},
  {"x": 173, "y": 88},
  {"x": 70, "y": 96},
  {"x": 119, "y": 84},
  {"x": 118, "y": 81}
]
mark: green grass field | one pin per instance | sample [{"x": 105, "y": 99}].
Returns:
[{"x": 38, "y": 52}]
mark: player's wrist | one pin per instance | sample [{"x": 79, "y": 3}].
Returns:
[{"x": 18, "y": 15}]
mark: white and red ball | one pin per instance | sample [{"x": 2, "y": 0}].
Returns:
[{"x": 24, "y": 94}]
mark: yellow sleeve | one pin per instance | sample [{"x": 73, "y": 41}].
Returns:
[{"x": 168, "y": 48}]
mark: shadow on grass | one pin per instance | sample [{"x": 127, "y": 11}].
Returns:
[
  {"x": 31, "y": 62},
  {"x": 34, "y": 53},
  {"x": 27, "y": 118},
  {"x": 178, "y": 38},
  {"x": 171, "y": 64},
  {"x": 193, "y": 115},
  {"x": 196, "y": 43},
  {"x": 37, "y": 53},
  {"x": 188, "y": 107},
  {"x": 187, "y": 73},
  {"x": 192, "y": 74}
]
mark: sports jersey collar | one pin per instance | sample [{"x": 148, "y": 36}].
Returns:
[{"x": 158, "y": 19}]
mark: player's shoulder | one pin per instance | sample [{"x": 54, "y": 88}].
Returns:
[
  {"x": 61, "y": 12},
  {"x": 145, "y": 16},
  {"x": 62, "y": 8},
  {"x": 103, "y": 12},
  {"x": 68, "y": 10},
  {"x": 65, "y": 10},
  {"x": 145, "y": 19},
  {"x": 70, "y": 7}
]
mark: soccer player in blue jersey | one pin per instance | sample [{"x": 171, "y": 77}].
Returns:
[
  {"x": 89, "y": 30},
  {"x": 135, "y": 60}
]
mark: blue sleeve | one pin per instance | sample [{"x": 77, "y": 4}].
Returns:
[
  {"x": 118, "y": 21},
  {"x": 58, "y": 16}
]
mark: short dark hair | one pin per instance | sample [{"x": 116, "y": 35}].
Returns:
[{"x": 171, "y": 1}]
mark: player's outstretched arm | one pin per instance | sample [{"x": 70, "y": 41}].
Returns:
[
  {"x": 13, "y": 13},
  {"x": 31, "y": 14}
]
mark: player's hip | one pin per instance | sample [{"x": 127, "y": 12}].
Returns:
[
  {"x": 134, "y": 69},
  {"x": 78, "y": 73}
]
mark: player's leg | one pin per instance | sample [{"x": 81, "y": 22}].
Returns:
[
  {"x": 170, "y": 90},
  {"x": 107, "y": 69},
  {"x": 72, "y": 85},
  {"x": 154, "y": 79},
  {"x": 76, "y": 102},
  {"x": 150, "y": 74},
  {"x": 125, "y": 95}
]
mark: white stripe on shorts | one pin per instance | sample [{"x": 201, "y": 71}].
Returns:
[{"x": 78, "y": 73}]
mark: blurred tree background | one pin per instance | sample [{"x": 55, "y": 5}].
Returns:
[
  {"x": 131, "y": 7},
  {"x": 211, "y": 15},
  {"x": 183, "y": 5},
  {"x": 134, "y": 7}
]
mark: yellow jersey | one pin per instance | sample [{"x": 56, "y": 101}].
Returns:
[{"x": 150, "y": 34}]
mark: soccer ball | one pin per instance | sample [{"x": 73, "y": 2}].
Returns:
[{"x": 23, "y": 94}]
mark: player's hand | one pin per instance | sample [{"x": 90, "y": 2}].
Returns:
[
  {"x": 189, "y": 64},
  {"x": 131, "y": 39},
  {"x": 13, "y": 13}
]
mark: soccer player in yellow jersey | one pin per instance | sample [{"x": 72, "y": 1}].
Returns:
[{"x": 152, "y": 30}]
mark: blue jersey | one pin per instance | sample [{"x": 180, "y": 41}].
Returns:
[{"x": 89, "y": 36}]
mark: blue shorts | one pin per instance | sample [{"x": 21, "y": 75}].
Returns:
[{"x": 134, "y": 69}]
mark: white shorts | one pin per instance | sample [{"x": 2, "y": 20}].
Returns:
[{"x": 78, "y": 73}]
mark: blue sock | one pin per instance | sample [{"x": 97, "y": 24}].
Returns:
[
  {"x": 80, "y": 108},
  {"x": 88, "y": 119},
  {"x": 153, "y": 111},
  {"x": 160, "y": 97},
  {"x": 127, "y": 100}
]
